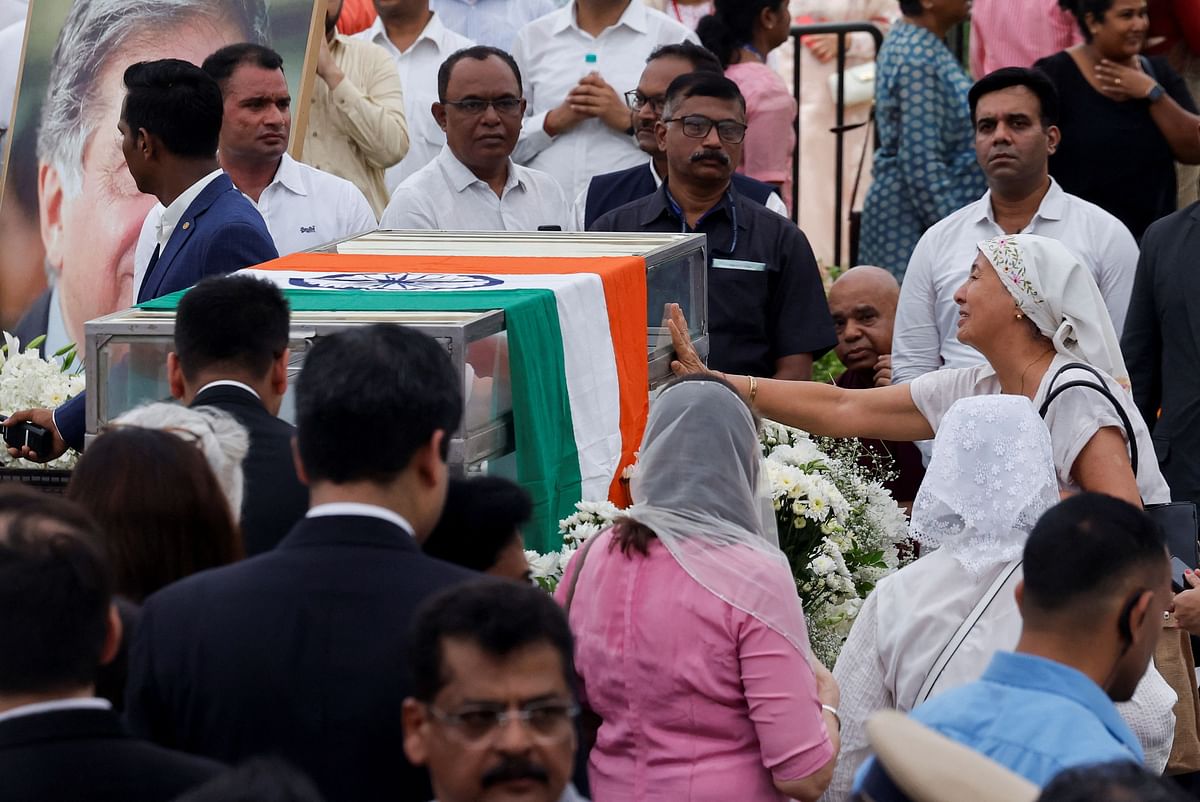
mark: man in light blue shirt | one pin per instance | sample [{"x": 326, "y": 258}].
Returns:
[
  {"x": 490, "y": 22},
  {"x": 1096, "y": 586}
]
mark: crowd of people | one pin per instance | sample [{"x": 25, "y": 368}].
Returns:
[{"x": 229, "y": 606}]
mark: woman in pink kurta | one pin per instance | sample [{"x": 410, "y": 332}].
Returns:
[
  {"x": 741, "y": 33},
  {"x": 690, "y": 640}
]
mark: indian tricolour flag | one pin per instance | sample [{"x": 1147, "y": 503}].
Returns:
[{"x": 576, "y": 331}]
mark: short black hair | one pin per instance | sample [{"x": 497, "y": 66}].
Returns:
[
  {"x": 1081, "y": 8},
  {"x": 1119, "y": 781},
  {"x": 479, "y": 53},
  {"x": 259, "y": 779},
  {"x": 1086, "y": 547},
  {"x": 1032, "y": 79},
  {"x": 223, "y": 63},
  {"x": 911, "y": 8},
  {"x": 369, "y": 397},
  {"x": 236, "y": 323},
  {"x": 701, "y": 58},
  {"x": 176, "y": 101},
  {"x": 482, "y": 516},
  {"x": 55, "y": 592},
  {"x": 701, "y": 84},
  {"x": 497, "y": 615}
]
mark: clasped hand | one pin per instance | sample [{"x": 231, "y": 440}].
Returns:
[{"x": 1123, "y": 83}]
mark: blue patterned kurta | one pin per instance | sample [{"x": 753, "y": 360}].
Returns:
[{"x": 925, "y": 166}]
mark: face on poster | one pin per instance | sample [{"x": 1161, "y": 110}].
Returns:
[{"x": 68, "y": 194}]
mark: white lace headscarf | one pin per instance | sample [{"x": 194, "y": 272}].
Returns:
[
  {"x": 1054, "y": 290},
  {"x": 696, "y": 489},
  {"x": 990, "y": 479}
]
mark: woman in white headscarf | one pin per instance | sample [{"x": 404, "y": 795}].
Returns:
[
  {"x": 691, "y": 644},
  {"x": 990, "y": 479},
  {"x": 1031, "y": 308}
]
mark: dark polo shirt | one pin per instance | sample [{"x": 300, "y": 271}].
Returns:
[{"x": 765, "y": 297}]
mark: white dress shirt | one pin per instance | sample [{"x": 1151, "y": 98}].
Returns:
[
  {"x": 231, "y": 383},
  {"x": 303, "y": 208},
  {"x": 551, "y": 52},
  {"x": 174, "y": 213},
  {"x": 362, "y": 510},
  {"x": 418, "y": 68},
  {"x": 55, "y": 705},
  {"x": 927, "y": 318},
  {"x": 579, "y": 212},
  {"x": 490, "y": 22},
  {"x": 446, "y": 195}
]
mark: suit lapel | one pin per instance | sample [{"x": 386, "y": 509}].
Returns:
[{"x": 183, "y": 232}]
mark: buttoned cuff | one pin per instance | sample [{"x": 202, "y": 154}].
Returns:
[
  {"x": 534, "y": 138},
  {"x": 346, "y": 96}
]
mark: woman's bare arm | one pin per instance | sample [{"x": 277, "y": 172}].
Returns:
[
  {"x": 1103, "y": 467},
  {"x": 887, "y": 413}
]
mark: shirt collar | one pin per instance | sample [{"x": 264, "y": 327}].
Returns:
[
  {"x": 288, "y": 174},
  {"x": 661, "y": 203},
  {"x": 633, "y": 17},
  {"x": 230, "y": 383},
  {"x": 1039, "y": 674},
  {"x": 366, "y": 510},
  {"x": 56, "y": 705},
  {"x": 173, "y": 213},
  {"x": 461, "y": 176},
  {"x": 1052, "y": 207},
  {"x": 434, "y": 31}
]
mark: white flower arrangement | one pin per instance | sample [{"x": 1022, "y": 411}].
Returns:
[
  {"x": 27, "y": 381},
  {"x": 839, "y": 527}
]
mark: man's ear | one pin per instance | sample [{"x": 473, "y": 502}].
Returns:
[
  {"x": 1138, "y": 613},
  {"x": 114, "y": 632},
  {"x": 416, "y": 726},
  {"x": 147, "y": 144},
  {"x": 278, "y": 377},
  {"x": 50, "y": 209},
  {"x": 175, "y": 377},
  {"x": 1054, "y": 138},
  {"x": 428, "y": 459},
  {"x": 301, "y": 474},
  {"x": 439, "y": 114},
  {"x": 1019, "y": 593},
  {"x": 660, "y": 134}
]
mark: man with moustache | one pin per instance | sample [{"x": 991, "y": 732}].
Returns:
[
  {"x": 302, "y": 206},
  {"x": 88, "y": 206},
  {"x": 610, "y": 190},
  {"x": 473, "y": 183},
  {"x": 1014, "y": 110},
  {"x": 356, "y": 127},
  {"x": 492, "y": 713},
  {"x": 767, "y": 310}
]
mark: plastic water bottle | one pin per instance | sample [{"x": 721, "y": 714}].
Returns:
[{"x": 591, "y": 63}]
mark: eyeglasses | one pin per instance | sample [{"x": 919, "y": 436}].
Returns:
[
  {"x": 547, "y": 722},
  {"x": 475, "y": 106},
  {"x": 697, "y": 126},
  {"x": 636, "y": 100}
]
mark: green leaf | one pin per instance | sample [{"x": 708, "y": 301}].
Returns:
[
  {"x": 36, "y": 342},
  {"x": 68, "y": 362},
  {"x": 65, "y": 349}
]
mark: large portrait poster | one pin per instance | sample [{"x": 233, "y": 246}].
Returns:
[{"x": 69, "y": 212}]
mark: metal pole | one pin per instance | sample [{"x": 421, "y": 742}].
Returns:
[{"x": 842, "y": 29}]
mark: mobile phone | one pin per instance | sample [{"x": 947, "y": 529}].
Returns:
[
  {"x": 1178, "y": 581},
  {"x": 37, "y": 438}
]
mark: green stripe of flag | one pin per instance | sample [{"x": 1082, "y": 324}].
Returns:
[{"x": 547, "y": 458}]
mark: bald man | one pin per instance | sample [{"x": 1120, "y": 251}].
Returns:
[{"x": 863, "y": 304}]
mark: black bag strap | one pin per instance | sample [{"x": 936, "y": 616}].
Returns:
[
  {"x": 862, "y": 157},
  {"x": 1101, "y": 388}
]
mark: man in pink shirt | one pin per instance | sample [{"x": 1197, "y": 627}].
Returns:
[{"x": 1016, "y": 33}]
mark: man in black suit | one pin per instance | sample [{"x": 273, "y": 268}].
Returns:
[
  {"x": 612, "y": 190},
  {"x": 231, "y": 352},
  {"x": 58, "y": 741},
  {"x": 302, "y": 651},
  {"x": 1161, "y": 345}
]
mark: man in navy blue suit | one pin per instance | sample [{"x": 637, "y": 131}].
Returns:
[
  {"x": 303, "y": 651},
  {"x": 170, "y": 124}
]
